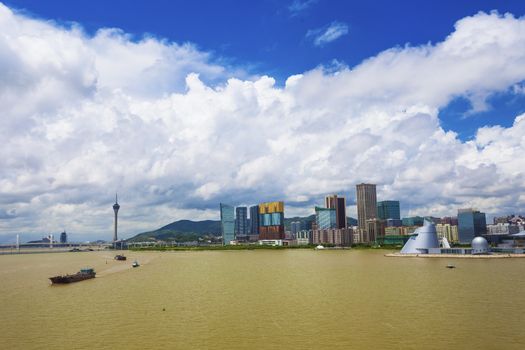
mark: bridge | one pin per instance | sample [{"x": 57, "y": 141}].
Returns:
[{"x": 55, "y": 247}]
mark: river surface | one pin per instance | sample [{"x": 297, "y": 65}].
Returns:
[{"x": 264, "y": 299}]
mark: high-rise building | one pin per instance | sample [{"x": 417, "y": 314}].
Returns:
[
  {"x": 449, "y": 220},
  {"x": 254, "y": 220},
  {"x": 304, "y": 237},
  {"x": 375, "y": 228},
  {"x": 413, "y": 221},
  {"x": 339, "y": 204},
  {"x": 241, "y": 221},
  {"x": 366, "y": 204},
  {"x": 325, "y": 218},
  {"x": 295, "y": 227},
  {"x": 450, "y": 232},
  {"x": 335, "y": 236},
  {"x": 227, "y": 223},
  {"x": 116, "y": 207},
  {"x": 471, "y": 223},
  {"x": 393, "y": 223},
  {"x": 388, "y": 210},
  {"x": 63, "y": 237},
  {"x": 271, "y": 220}
]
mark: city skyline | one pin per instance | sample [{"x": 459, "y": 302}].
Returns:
[{"x": 179, "y": 120}]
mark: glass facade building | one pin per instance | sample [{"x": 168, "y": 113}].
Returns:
[
  {"x": 227, "y": 223},
  {"x": 339, "y": 204},
  {"x": 325, "y": 218},
  {"x": 254, "y": 220},
  {"x": 295, "y": 227},
  {"x": 393, "y": 223},
  {"x": 241, "y": 221},
  {"x": 471, "y": 223},
  {"x": 388, "y": 210},
  {"x": 413, "y": 221}
]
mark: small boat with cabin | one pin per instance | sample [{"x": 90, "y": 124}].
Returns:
[
  {"x": 135, "y": 264},
  {"x": 120, "y": 257}
]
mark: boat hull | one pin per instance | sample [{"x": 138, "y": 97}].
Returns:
[{"x": 72, "y": 278}]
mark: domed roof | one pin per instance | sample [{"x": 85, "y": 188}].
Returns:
[{"x": 480, "y": 243}]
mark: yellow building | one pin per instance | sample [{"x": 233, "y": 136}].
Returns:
[
  {"x": 271, "y": 207},
  {"x": 449, "y": 231}
]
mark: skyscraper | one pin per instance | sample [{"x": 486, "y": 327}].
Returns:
[
  {"x": 63, "y": 237},
  {"x": 241, "y": 221},
  {"x": 227, "y": 223},
  {"x": 271, "y": 220},
  {"x": 388, "y": 210},
  {"x": 366, "y": 204},
  {"x": 295, "y": 227},
  {"x": 325, "y": 218},
  {"x": 116, "y": 207},
  {"x": 471, "y": 223},
  {"x": 254, "y": 220},
  {"x": 339, "y": 204}
]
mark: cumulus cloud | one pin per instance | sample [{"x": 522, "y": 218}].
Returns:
[
  {"x": 327, "y": 34},
  {"x": 175, "y": 132}
]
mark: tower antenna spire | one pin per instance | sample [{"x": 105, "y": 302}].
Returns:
[{"x": 116, "y": 207}]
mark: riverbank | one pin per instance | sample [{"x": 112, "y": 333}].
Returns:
[
  {"x": 458, "y": 256},
  {"x": 256, "y": 247}
]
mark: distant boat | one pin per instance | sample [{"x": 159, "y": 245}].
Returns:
[
  {"x": 120, "y": 257},
  {"x": 135, "y": 264},
  {"x": 450, "y": 266},
  {"x": 83, "y": 274},
  {"x": 319, "y": 247}
]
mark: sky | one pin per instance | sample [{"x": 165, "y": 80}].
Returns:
[{"x": 180, "y": 105}]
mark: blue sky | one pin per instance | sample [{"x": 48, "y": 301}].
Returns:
[
  {"x": 270, "y": 36},
  {"x": 180, "y": 105}
]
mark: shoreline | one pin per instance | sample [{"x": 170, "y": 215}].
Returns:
[{"x": 459, "y": 256}]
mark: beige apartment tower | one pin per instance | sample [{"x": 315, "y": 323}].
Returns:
[{"x": 366, "y": 204}]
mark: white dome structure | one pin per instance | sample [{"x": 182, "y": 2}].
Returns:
[
  {"x": 424, "y": 238},
  {"x": 480, "y": 246}
]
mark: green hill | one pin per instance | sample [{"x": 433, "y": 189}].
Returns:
[
  {"x": 187, "y": 230},
  {"x": 181, "y": 231},
  {"x": 202, "y": 227}
]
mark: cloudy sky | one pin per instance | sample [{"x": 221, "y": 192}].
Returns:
[{"x": 180, "y": 106}]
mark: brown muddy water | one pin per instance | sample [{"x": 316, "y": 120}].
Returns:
[{"x": 264, "y": 299}]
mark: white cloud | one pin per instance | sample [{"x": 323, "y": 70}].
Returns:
[
  {"x": 299, "y": 6},
  {"x": 175, "y": 133},
  {"x": 327, "y": 34}
]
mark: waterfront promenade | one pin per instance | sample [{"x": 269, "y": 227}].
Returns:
[{"x": 458, "y": 256}]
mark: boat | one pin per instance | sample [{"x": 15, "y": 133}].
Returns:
[
  {"x": 120, "y": 257},
  {"x": 450, "y": 266},
  {"x": 135, "y": 264},
  {"x": 83, "y": 274}
]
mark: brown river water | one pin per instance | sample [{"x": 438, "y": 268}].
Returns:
[{"x": 264, "y": 299}]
